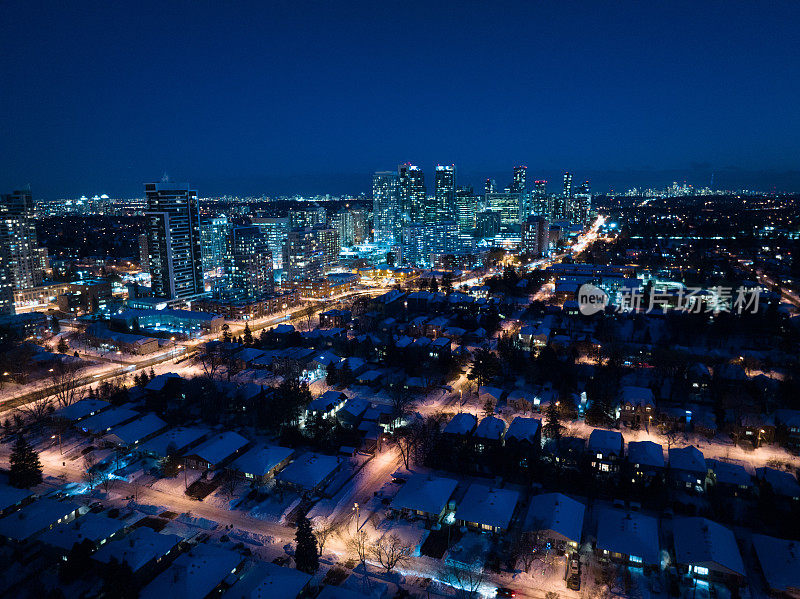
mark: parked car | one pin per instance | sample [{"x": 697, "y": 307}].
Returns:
[{"x": 505, "y": 592}]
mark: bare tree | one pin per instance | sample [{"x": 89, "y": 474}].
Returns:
[
  {"x": 211, "y": 361},
  {"x": 90, "y": 473},
  {"x": 390, "y": 551},
  {"x": 64, "y": 377},
  {"x": 523, "y": 550},
  {"x": 229, "y": 483},
  {"x": 358, "y": 544},
  {"x": 670, "y": 433},
  {"x": 323, "y": 532},
  {"x": 37, "y": 411},
  {"x": 465, "y": 580}
]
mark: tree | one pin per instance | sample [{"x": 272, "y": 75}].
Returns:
[
  {"x": 323, "y": 532},
  {"x": 306, "y": 557},
  {"x": 118, "y": 580},
  {"x": 248, "y": 334},
  {"x": 447, "y": 283},
  {"x": 65, "y": 379},
  {"x": 358, "y": 544},
  {"x": 78, "y": 562},
  {"x": 466, "y": 580},
  {"x": 552, "y": 427},
  {"x": 485, "y": 367},
  {"x": 25, "y": 469},
  {"x": 90, "y": 472},
  {"x": 55, "y": 326},
  {"x": 62, "y": 346},
  {"x": 390, "y": 551},
  {"x": 226, "y": 334}
]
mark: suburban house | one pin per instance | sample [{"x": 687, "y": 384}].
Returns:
[
  {"x": 175, "y": 440},
  {"x": 555, "y": 520},
  {"x": 637, "y": 407},
  {"x": 755, "y": 429},
  {"x": 568, "y": 452},
  {"x": 486, "y": 508},
  {"x": 780, "y": 564},
  {"x": 707, "y": 551},
  {"x": 309, "y": 472},
  {"x": 265, "y": 580},
  {"x": 102, "y": 422},
  {"x": 260, "y": 464},
  {"x": 460, "y": 426},
  {"x": 197, "y": 573},
  {"x": 135, "y": 432},
  {"x": 216, "y": 452},
  {"x": 326, "y": 405},
  {"x": 787, "y": 424},
  {"x": 628, "y": 537},
  {"x": 38, "y": 517},
  {"x": 606, "y": 450},
  {"x": 11, "y": 498},
  {"x": 783, "y": 484},
  {"x": 98, "y": 529},
  {"x": 143, "y": 549},
  {"x": 425, "y": 496},
  {"x": 645, "y": 461},
  {"x": 688, "y": 468},
  {"x": 489, "y": 433},
  {"x": 80, "y": 409},
  {"x": 730, "y": 478}
]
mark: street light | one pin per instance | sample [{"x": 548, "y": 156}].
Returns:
[{"x": 355, "y": 509}]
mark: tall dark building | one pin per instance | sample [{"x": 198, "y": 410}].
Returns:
[
  {"x": 445, "y": 194},
  {"x": 567, "y": 185},
  {"x": 519, "y": 183},
  {"x": 413, "y": 200},
  {"x": 173, "y": 239},
  {"x": 489, "y": 186}
]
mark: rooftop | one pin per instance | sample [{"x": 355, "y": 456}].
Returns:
[
  {"x": 701, "y": 542},
  {"x": 628, "y": 533},
  {"x": 484, "y": 505},
  {"x": 557, "y": 513},
  {"x": 424, "y": 493}
]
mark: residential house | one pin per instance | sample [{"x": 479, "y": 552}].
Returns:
[
  {"x": 326, "y": 405},
  {"x": 11, "y": 498},
  {"x": 779, "y": 560},
  {"x": 216, "y": 452},
  {"x": 645, "y": 461},
  {"x": 606, "y": 451},
  {"x": 135, "y": 432},
  {"x": 175, "y": 441},
  {"x": 688, "y": 468},
  {"x": 637, "y": 407},
  {"x": 486, "y": 508},
  {"x": 98, "y": 529},
  {"x": 708, "y": 551},
  {"x": 144, "y": 550},
  {"x": 80, "y": 410},
  {"x": 783, "y": 484},
  {"x": 261, "y": 463},
  {"x": 426, "y": 496},
  {"x": 729, "y": 478},
  {"x": 309, "y": 473},
  {"x": 755, "y": 429},
  {"x": 555, "y": 520},
  {"x": 38, "y": 517},
  {"x": 628, "y": 537},
  {"x": 102, "y": 422},
  {"x": 265, "y": 580}
]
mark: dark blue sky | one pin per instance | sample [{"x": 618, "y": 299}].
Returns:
[{"x": 275, "y": 97}]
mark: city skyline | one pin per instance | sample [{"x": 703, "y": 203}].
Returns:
[{"x": 603, "y": 91}]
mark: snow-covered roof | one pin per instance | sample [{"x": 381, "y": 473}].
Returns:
[
  {"x": 701, "y": 542},
  {"x": 219, "y": 447},
  {"x": 133, "y": 432},
  {"x": 179, "y": 437},
  {"x": 689, "y": 459},
  {"x": 34, "y": 517},
  {"x": 494, "y": 392},
  {"x": 138, "y": 548},
  {"x": 638, "y": 396},
  {"x": 523, "y": 429},
  {"x": 424, "y": 493},
  {"x": 646, "y": 453},
  {"x": 248, "y": 354},
  {"x": 628, "y": 533},
  {"x": 461, "y": 424},
  {"x": 309, "y": 470},
  {"x": 557, "y": 513},
  {"x": 100, "y": 423},
  {"x": 331, "y": 592},
  {"x": 729, "y": 474},
  {"x": 265, "y": 580},
  {"x": 355, "y": 406},
  {"x": 193, "y": 574},
  {"x": 157, "y": 382},
  {"x": 81, "y": 409},
  {"x": 11, "y": 496},
  {"x": 490, "y": 427},
  {"x": 782, "y": 483},
  {"x": 780, "y": 563},
  {"x": 484, "y": 505},
  {"x": 261, "y": 460},
  {"x": 606, "y": 442},
  {"x": 327, "y": 401},
  {"x": 92, "y": 527}
]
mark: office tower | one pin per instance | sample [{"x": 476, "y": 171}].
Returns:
[
  {"x": 540, "y": 187},
  {"x": 386, "y": 206},
  {"x": 309, "y": 216},
  {"x": 413, "y": 198},
  {"x": 25, "y": 258},
  {"x": 173, "y": 237},
  {"x": 568, "y": 185},
  {"x": 582, "y": 205},
  {"x": 466, "y": 207},
  {"x": 488, "y": 224},
  {"x": 328, "y": 242},
  {"x": 275, "y": 231},
  {"x": 445, "y": 193},
  {"x": 144, "y": 253},
  {"x": 214, "y": 239},
  {"x": 359, "y": 224},
  {"x": 518, "y": 184},
  {"x": 6, "y": 273},
  {"x": 422, "y": 242},
  {"x": 561, "y": 207},
  {"x": 302, "y": 255},
  {"x": 540, "y": 203},
  {"x": 535, "y": 236},
  {"x": 507, "y": 204},
  {"x": 248, "y": 266},
  {"x": 490, "y": 186}
]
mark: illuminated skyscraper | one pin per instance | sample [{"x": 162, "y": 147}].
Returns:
[
  {"x": 26, "y": 260},
  {"x": 466, "y": 208},
  {"x": 489, "y": 186},
  {"x": 582, "y": 205},
  {"x": 413, "y": 200},
  {"x": 567, "y": 185},
  {"x": 445, "y": 194},
  {"x": 541, "y": 203},
  {"x": 248, "y": 266},
  {"x": 507, "y": 204},
  {"x": 275, "y": 231},
  {"x": 173, "y": 239},
  {"x": 518, "y": 185},
  {"x": 535, "y": 235},
  {"x": 214, "y": 239},
  {"x": 386, "y": 207},
  {"x": 308, "y": 216}
]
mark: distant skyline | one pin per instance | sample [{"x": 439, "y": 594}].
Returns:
[{"x": 265, "y": 98}]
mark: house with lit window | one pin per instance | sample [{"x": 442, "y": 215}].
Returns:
[
  {"x": 218, "y": 451},
  {"x": 606, "y": 451},
  {"x": 705, "y": 550},
  {"x": 637, "y": 407},
  {"x": 425, "y": 496},
  {"x": 779, "y": 560},
  {"x": 38, "y": 517},
  {"x": 555, "y": 521},
  {"x": 645, "y": 461},
  {"x": 730, "y": 478},
  {"x": 627, "y": 537},
  {"x": 260, "y": 464},
  {"x": 688, "y": 468},
  {"x": 487, "y": 509}
]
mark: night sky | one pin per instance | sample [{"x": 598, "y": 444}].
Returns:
[{"x": 273, "y": 98}]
